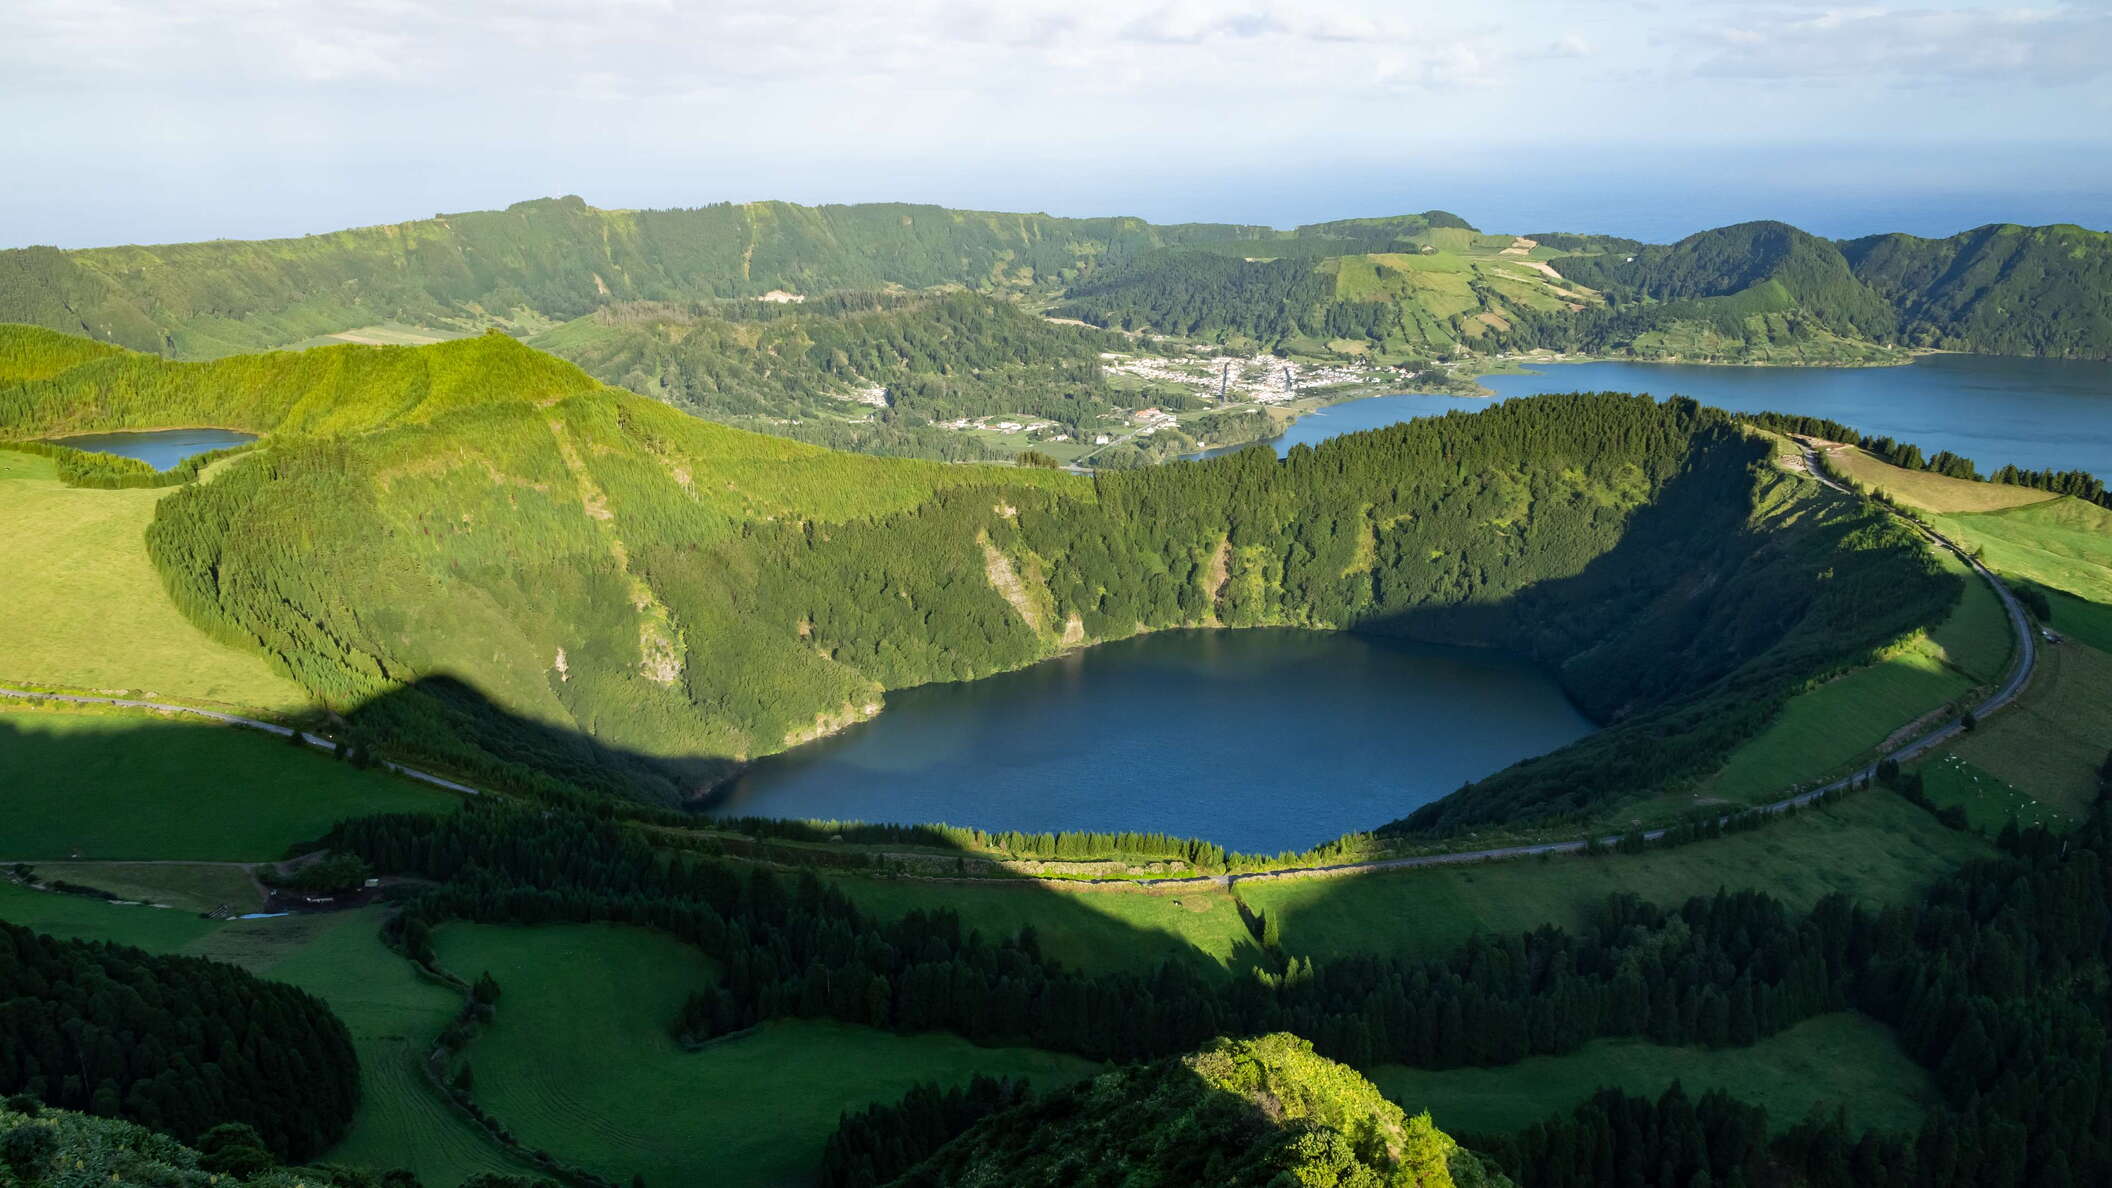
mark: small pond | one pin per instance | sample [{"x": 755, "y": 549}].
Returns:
[{"x": 158, "y": 448}]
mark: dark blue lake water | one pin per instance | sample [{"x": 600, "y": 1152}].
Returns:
[
  {"x": 1275, "y": 740},
  {"x": 1260, "y": 739},
  {"x": 159, "y": 448},
  {"x": 2037, "y": 413}
]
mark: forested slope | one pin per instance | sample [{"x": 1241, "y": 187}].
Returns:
[
  {"x": 518, "y": 572},
  {"x": 867, "y": 371},
  {"x": 546, "y": 260},
  {"x": 1999, "y": 289},
  {"x": 175, "y": 1043}
]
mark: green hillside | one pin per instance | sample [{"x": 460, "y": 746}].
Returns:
[
  {"x": 1257, "y": 1113},
  {"x": 545, "y": 261},
  {"x": 1761, "y": 292},
  {"x": 870, "y": 372},
  {"x": 2000, "y": 289},
  {"x": 1403, "y": 288},
  {"x": 520, "y": 573}
]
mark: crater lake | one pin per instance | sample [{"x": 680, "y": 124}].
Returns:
[{"x": 1261, "y": 739}]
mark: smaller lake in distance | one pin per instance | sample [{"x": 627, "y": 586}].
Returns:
[
  {"x": 158, "y": 448},
  {"x": 1262, "y": 739},
  {"x": 2039, "y": 414}
]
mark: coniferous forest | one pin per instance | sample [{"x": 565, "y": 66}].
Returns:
[{"x": 178, "y": 1044}]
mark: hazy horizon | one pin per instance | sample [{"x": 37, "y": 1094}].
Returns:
[{"x": 145, "y": 123}]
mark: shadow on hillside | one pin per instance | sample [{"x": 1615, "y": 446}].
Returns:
[{"x": 1615, "y": 631}]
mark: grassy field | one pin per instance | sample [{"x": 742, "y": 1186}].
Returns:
[
  {"x": 157, "y": 930},
  {"x": 1989, "y": 800},
  {"x": 579, "y": 1061},
  {"x": 1929, "y": 491},
  {"x": 132, "y": 785},
  {"x": 186, "y": 886},
  {"x": 2079, "y": 619},
  {"x": 1825, "y": 730},
  {"x": 86, "y": 609},
  {"x": 2049, "y": 744},
  {"x": 2064, "y": 544},
  {"x": 394, "y": 1013},
  {"x": 1834, "y": 1060},
  {"x": 1873, "y": 846},
  {"x": 1093, "y": 930}
]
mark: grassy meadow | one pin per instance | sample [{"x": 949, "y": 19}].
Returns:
[
  {"x": 86, "y": 608},
  {"x": 184, "y": 886},
  {"x": 1832, "y": 728},
  {"x": 1928, "y": 490},
  {"x": 1873, "y": 846},
  {"x": 394, "y": 1013},
  {"x": 76, "y": 917},
  {"x": 2063, "y": 545},
  {"x": 2049, "y": 743},
  {"x": 1840, "y": 1060},
  {"x": 1989, "y": 800},
  {"x": 1101, "y": 930},
  {"x": 579, "y": 1061},
  {"x": 115, "y": 785}
]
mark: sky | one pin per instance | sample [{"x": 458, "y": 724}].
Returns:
[{"x": 151, "y": 121}]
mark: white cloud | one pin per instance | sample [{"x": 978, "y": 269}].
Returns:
[
  {"x": 2003, "y": 48},
  {"x": 569, "y": 92}
]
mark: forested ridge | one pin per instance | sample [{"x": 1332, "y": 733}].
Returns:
[
  {"x": 1753, "y": 291},
  {"x": 179, "y": 1044},
  {"x": 801, "y": 370},
  {"x": 550, "y": 259},
  {"x": 506, "y": 568}
]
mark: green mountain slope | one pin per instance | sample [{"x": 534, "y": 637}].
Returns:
[
  {"x": 1409, "y": 287},
  {"x": 1259, "y": 1112},
  {"x": 494, "y": 563},
  {"x": 869, "y": 371},
  {"x": 1760, "y": 291},
  {"x": 543, "y": 261},
  {"x": 2000, "y": 289}
]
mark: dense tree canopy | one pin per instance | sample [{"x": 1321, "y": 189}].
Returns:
[{"x": 178, "y": 1044}]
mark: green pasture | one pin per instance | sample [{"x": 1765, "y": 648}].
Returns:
[
  {"x": 1989, "y": 801},
  {"x": 87, "y": 610},
  {"x": 579, "y": 1061},
  {"x": 1093, "y": 929},
  {"x": 134, "y": 785},
  {"x": 1928, "y": 490},
  {"x": 1826, "y": 730},
  {"x": 2049, "y": 743},
  {"x": 394, "y": 1013},
  {"x": 1872, "y": 845},
  {"x": 1842, "y": 1060},
  {"x": 2062, "y": 545},
  {"x": 185, "y": 886},
  {"x": 76, "y": 917}
]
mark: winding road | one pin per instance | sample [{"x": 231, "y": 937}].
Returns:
[{"x": 2025, "y": 660}]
